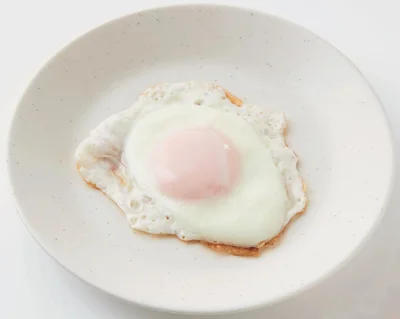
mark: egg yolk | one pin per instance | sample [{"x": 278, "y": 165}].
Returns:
[{"x": 196, "y": 164}]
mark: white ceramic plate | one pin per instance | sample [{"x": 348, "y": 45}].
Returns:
[{"x": 336, "y": 126}]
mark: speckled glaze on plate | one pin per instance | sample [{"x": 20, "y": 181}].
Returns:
[{"x": 336, "y": 126}]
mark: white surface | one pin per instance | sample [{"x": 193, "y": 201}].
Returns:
[{"x": 366, "y": 288}]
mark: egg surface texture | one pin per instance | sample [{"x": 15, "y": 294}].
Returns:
[{"x": 185, "y": 160}]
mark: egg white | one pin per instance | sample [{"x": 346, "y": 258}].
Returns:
[{"x": 245, "y": 217}]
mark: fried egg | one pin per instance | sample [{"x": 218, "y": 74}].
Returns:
[{"x": 191, "y": 160}]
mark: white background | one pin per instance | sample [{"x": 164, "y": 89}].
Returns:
[{"x": 32, "y": 285}]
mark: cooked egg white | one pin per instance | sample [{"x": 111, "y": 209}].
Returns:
[{"x": 267, "y": 194}]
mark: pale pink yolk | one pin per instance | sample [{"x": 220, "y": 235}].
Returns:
[{"x": 196, "y": 164}]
